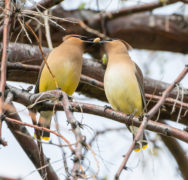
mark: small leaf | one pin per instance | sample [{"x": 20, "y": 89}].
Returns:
[
  {"x": 81, "y": 6},
  {"x": 104, "y": 59}
]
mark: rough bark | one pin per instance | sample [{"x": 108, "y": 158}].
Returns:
[{"x": 141, "y": 30}]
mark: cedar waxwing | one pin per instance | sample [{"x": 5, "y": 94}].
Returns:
[
  {"x": 65, "y": 62},
  {"x": 123, "y": 84}
]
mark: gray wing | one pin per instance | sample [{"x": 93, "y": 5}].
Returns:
[
  {"x": 140, "y": 80},
  {"x": 38, "y": 79}
]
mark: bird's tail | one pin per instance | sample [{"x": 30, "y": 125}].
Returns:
[
  {"x": 142, "y": 143},
  {"x": 45, "y": 121}
]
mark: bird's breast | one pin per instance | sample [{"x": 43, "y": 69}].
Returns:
[
  {"x": 67, "y": 74},
  {"x": 122, "y": 90}
]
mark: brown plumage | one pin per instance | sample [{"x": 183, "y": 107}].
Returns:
[
  {"x": 123, "y": 83},
  {"x": 65, "y": 62}
]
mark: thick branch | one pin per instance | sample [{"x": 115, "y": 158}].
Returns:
[
  {"x": 45, "y": 4},
  {"x": 136, "y": 9},
  {"x": 27, "y": 99},
  {"x": 178, "y": 153},
  {"x": 21, "y": 53},
  {"x": 141, "y": 30}
]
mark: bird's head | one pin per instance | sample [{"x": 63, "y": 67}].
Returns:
[
  {"x": 115, "y": 46},
  {"x": 84, "y": 42}
]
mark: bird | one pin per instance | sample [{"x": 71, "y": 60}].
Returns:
[
  {"x": 65, "y": 63},
  {"x": 123, "y": 83}
]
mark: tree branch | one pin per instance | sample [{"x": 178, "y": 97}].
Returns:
[
  {"x": 8, "y": 178},
  {"x": 77, "y": 133},
  {"x": 45, "y": 4},
  {"x": 27, "y": 99},
  {"x": 141, "y": 30},
  {"x": 6, "y": 28},
  {"x": 30, "y": 56},
  {"x": 136, "y": 9},
  {"x": 178, "y": 153}
]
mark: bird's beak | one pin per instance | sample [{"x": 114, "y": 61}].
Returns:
[{"x": 104, "y": 41}]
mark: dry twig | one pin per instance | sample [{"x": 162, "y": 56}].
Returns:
[
  {"x": 6, "y": 29},
  {"x": 41, "y": 129},
  {"x": 42, "y": 53},
  {"x": 78, "y": 136}
]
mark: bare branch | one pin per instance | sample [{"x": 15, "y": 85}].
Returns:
[
  {"x": 178, "y": 153},
  {"x": 8, "y": 178},
  {"x": 41, "y": 129},
  {"x": 45, "y": 4},
  {"x": 6, "y": 29},
  {"x": 90, "y": 87},
  {"x": 136, "y": 9},
  {"x": 27, "y": 99}
]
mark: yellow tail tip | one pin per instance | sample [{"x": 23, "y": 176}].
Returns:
[
  {"x": 145, "y": 146},
  {"x": 137, "y": 150},
  {"x": 45, "y": 138}
]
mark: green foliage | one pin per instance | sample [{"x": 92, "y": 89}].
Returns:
[{"x": 82, "y": 6}]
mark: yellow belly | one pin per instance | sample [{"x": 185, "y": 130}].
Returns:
[
  {"x": 122, "y": 91},
  {"x": 67, "y": 76}
]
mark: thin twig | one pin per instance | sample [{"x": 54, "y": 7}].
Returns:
[
  {"x": 41, "y": 129},
  {"x": 78, "y": 136},
  {"x": 6, "y": 29},
  {"x": 62, "y": 150},
  {"x": 177, "y": 97},
  {"x": 42, "y": 53},
  {"x": 182, "y": 96},
  {"x": 47, "y": 30},
  {"x": 93, "y": 31},
  {"x": 39, "y": 144},
  {"x": 23, "y": 27}
]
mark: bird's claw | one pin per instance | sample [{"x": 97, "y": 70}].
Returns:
[
  {"x": 70, "y": 98},
  {"x": 107, "y": 107}
]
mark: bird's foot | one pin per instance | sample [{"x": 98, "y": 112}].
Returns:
[
  {"x": 130, "y": 116},
  {"x": 140, "y": 118},
  {"x": 107, "y": 107},
  {"x": 70, "y": 98}
]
